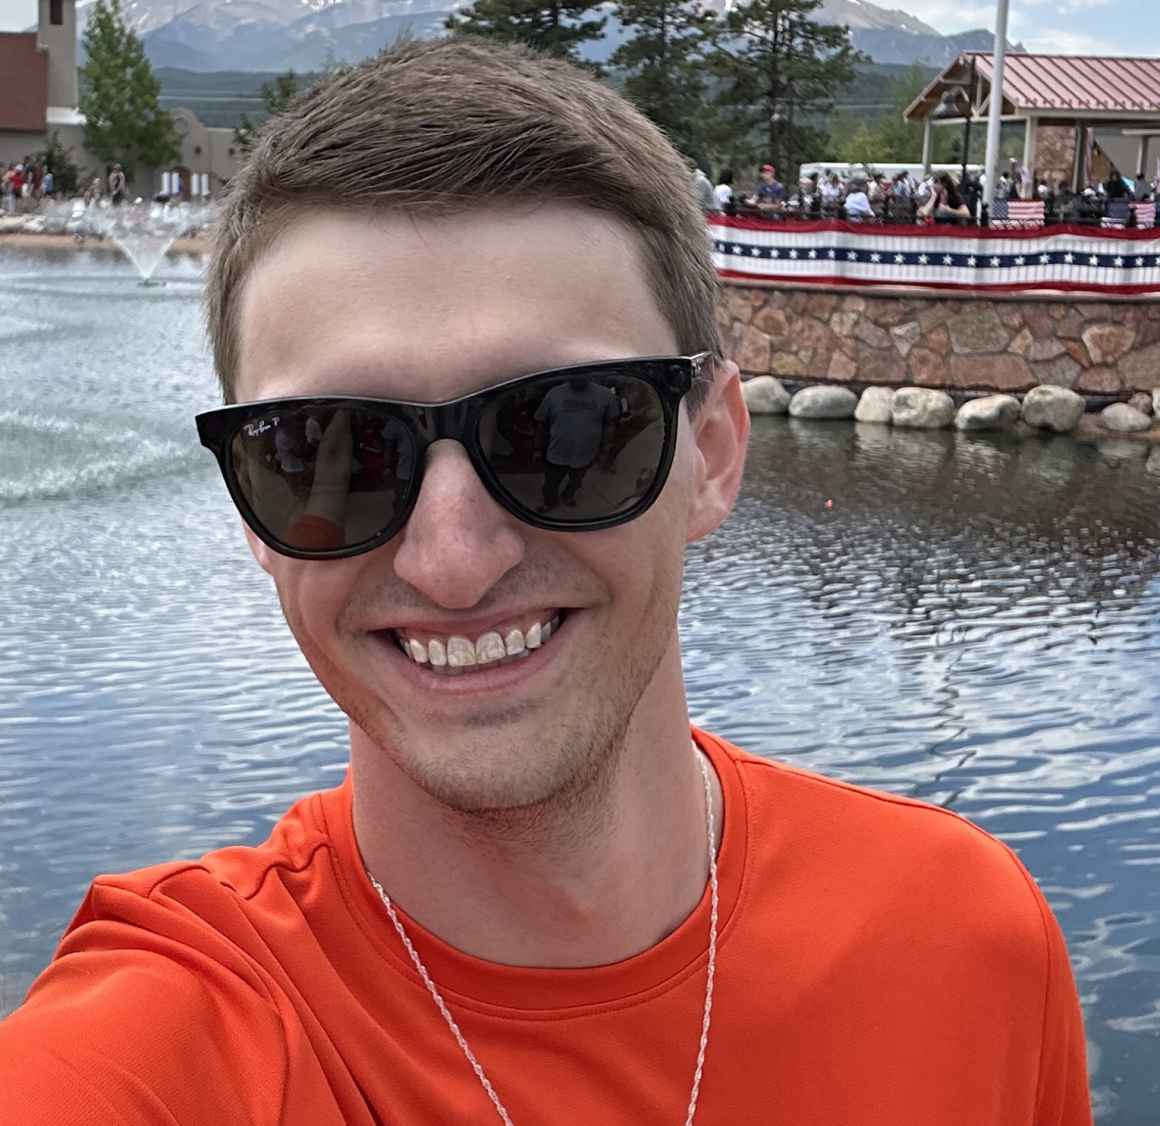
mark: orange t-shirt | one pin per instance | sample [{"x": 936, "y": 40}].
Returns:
[{"x": 881, "y": 962}]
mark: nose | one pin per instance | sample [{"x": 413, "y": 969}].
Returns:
[{"x": 458, "y": 542}]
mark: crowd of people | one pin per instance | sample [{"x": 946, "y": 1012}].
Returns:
[
  {"x": 865, "y": 196},
  {"x": 24, "y": 186}
]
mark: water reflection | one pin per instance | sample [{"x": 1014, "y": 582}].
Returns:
[{"x": 972, "y": 623}]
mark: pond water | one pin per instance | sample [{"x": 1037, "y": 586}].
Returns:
[{"x": 974, "y": 622}]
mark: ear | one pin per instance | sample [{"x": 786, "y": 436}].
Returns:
[
  {"x": 721, "y": 434},
  {"x": 258, "y": 550}
]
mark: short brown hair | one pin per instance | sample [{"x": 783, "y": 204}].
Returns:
[{"x": 434, "y": 128}]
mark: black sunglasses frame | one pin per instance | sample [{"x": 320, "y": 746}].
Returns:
[{"x": 672, "y": 377}]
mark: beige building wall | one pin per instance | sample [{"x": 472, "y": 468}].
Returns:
[
  {"x": 205, "y": 150},
  {"x": 14, "y": 147},
  {"x": 56, "y": 32}
]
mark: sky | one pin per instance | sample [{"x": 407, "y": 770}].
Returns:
[
  {"x": 1111, "y": 27},
  {"x": 1065, "y": 27}
]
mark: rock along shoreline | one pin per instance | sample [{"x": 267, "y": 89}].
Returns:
[{"x": 1042, "y": 411}]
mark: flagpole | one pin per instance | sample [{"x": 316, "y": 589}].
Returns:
[{"x": 991, "y": 161}]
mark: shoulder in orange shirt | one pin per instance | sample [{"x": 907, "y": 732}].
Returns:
[{"x": 882, "y": 962}]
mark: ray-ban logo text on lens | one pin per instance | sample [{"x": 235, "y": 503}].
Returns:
[{"x": 257, "y": 429}]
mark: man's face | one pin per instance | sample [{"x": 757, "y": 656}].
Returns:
[
  {"x": 429, "y": 310},
  {"x": 767, "y": 175}
]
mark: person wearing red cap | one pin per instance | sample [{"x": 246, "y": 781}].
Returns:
[{"x": 770, "y": 194}]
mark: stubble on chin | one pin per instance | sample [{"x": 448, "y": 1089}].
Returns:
[{"x": 521, "y": 778}]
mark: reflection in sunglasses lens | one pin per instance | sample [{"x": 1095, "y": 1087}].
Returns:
[
  {"x": 576, "y": 449},
  {"x": 324, "y": 478}
]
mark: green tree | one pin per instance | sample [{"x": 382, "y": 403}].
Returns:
[
  {"x": 57, "y": 157},
  {"x": 860, "y": 146},
  {"x": 276, "y": 98},
  {"x": 124, "y": 121},
  {"x": 556, "y": 28},
  {"x": 663, "y": 65},
  {"x": 886, "y": 138},
  {"x": 780, "y": 72}
]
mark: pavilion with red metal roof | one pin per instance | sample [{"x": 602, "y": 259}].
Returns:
[{"x": 1062, "y": 100}]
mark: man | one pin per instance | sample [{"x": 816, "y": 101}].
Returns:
[
  {"x": 117, "y": 185},
  {"x": 770, "y": 194},
  {"x": 578, "y": 417},
  {"x": 857, "y": 203},
  {"x": 703, "y": 190},
  {"x": 538, "y": 896}
]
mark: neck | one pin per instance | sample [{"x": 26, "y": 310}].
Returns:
[{"x": 594, "y": 880}]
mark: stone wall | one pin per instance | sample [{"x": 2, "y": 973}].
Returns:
[{"x": 1094, "y": 347}]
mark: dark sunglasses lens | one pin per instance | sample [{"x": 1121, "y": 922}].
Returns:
[
  {"x": 576, "y": 450},
  {"x": 324, "y": 478}
]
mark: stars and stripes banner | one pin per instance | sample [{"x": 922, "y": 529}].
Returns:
[
  {"x": 833, "y": 253},
  {"x": 1017, "y": 214}
]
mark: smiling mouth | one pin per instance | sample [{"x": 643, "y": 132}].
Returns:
[{"x": 455, "y": 655}]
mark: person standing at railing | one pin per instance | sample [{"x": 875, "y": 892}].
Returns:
[
  {"x": 724, "y": 191},
  {"x": 831, "y": 192},
  {"x": 857, "y": 203},
  {"x": 945, "y": 203},
  {"x": 770, "y": 194},
  {"x": 1114, "y": 186}
]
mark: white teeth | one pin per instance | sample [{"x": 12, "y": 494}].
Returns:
[
  {"x": 489, "y": 648},
  {"x": 456, "y": 654},
  {"x": 460, "y": 652}
]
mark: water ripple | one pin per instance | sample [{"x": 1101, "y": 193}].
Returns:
[{"x": 973, "y": 623}]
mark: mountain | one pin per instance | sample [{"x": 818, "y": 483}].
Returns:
[
  {"x": 308, "y": 35},
  {"x": 886, "y": 45}
]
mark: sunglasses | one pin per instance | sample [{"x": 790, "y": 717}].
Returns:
[{"x": 569, "y": 449}]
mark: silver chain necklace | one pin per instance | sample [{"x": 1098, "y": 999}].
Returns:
[{"x": 441, "y": 1005}]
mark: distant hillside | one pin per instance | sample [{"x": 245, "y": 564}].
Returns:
[
  {"x": 221, "y": 97},
  {"x": 309, "y": 35}
]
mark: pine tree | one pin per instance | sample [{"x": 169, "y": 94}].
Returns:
[
  {"x": 664, "y": 66},
  {"x": 556, "y": 28},
  {"x": 781, "y": 70},
  {"x": 124, "y": 121},
  {"x": 276, "y": 98},
  {"x": 58, "y": 158}
]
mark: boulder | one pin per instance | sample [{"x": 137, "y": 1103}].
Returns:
[
  {"x": 994, "y": 412},
  {"x": 1142, "y": 402},
  {"x": 1156, "y": 403},
  {"x": 875, "y": 405},
  {"x": 922, "y": 408},
  {"x": 1123, "y": 419},
  {"x": 823, "y": 402},
  {"x": 765, "y": 395},
  {"x": 1052, "y": 408}
]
